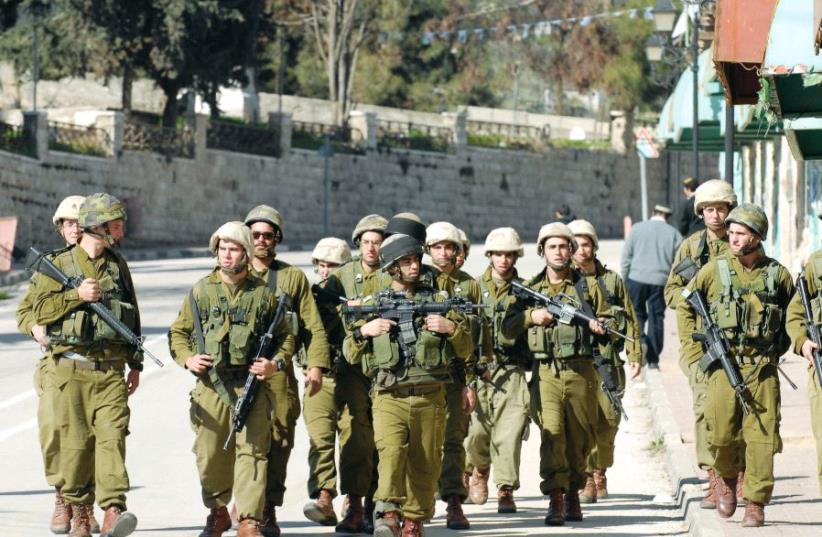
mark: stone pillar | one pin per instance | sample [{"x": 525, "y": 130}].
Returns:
[
  {"x": 364, "y": 126},
  {"x": 282, "y": 122},
  {"x": 113, "y": 123},
  {"x": 200, "y": 136},
  {"x": 456, "y": 122},
  {"x": 36, "y": 127}
]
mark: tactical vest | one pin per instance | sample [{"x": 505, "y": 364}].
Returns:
[
  {"x": 292, "y": 319},
  {"x": 561, "y": 341},
  {"x": 688, "y": 267},
  {"x": 82, "y": 326},
  {"x": 506, "y": 350},
  {"x": 749, "y": 317}
]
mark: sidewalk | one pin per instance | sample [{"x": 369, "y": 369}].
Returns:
[{"x": 796, "y": 508}]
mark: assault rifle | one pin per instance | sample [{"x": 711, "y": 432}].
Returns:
[
  {"x": 245, "y": 402},
  {"x": 813, "y": 330},
  {"x": 46, "y": 267},
  {"x": 321, "y": 294},
  {"x": 610, "y": 383},
  {"x": 717, "y": 349}
]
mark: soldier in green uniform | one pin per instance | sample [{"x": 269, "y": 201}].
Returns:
[
  {"x": 500, "y": 423},
  {"x": 615, "y": 292},
  {"x": 565, "y": 385},
  {"x": 266, "y": 226},
  {"x": 747, "y": 293},
  {"x": 465, "y": 249},
  {"x": 65, "y": 219},
  {"x": 443, "y": 244},
  {"x": 713, "y": 201},
  {"x": 216, "y": 337},
  {"x": 408, "y": 403},
  {"x": 89, "y": 361}
]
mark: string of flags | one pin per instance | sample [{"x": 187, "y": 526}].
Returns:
[{"x": 522, "y": 31}]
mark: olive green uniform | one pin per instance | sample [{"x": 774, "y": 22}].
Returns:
[
  {"x": 694, "y": 252},
  {"x": 307, "y": 324},
  {"x": 749, "y": 306},
  {"x": 797, "y": 328},
  {"x": 89, "y": 361},
  {"x": 409, "y": 409},
  {"x": 500, "y": 421},
  {"x": 564, "y": 392},
  {"x": 625, "y": 321}
]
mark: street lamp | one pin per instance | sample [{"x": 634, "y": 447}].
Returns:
[
  {"x": 664, "y": 16},
  {"x": 655, "y": 48}
]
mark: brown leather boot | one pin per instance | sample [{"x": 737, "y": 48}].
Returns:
[
  {"x": 217, "y": 522},
  {"x": 725, "y": 496},
  {"x": 321, "y": 510},
  {"x": 269, "y": 522},
  {"x": 556, "y": 508},
  {"x": 92, "y": 522},
  {"x": 754, "y": 515},
  {"x": 61, "y": 517},
  {"x": 740, "y": 481},
  {"x": 454, "y": 517},
  {"x": 235, "y": 519},
  {"x": 505, "y": 500},
  {"x": 466, "y": 483},
  {"x": 589, "y": 491},
  {"x": 368, "y": 516},
  {"x": 601, "y": 482},
  {"x": 387, "y": 525},
  {"x": 573, "y": 509},
  {"x": 250, "y": 527},
  {"x": 413, "y": 528},
  {"x": 478, "y": 486},
  {"x": 709, "y": 501},
  {"x": 118, "y": 522},
  {"x": 352, "y": 521},
  {"x": 79, "y": 521}
]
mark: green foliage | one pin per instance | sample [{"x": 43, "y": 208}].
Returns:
[
  {"x": 501, "y": 142},
  {"x": 15, "y": 140},
  {"x": 79, "y": 147},
  {"x": 4, "y": 295},
  {"x": 417, "y": 140}
]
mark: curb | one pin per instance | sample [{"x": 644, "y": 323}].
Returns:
[{"x": 679, "y": 465}]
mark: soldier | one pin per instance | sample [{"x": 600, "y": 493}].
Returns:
[
  {"x": 266, "y": 226},
  {"x": 607, "y": 423},
  {"x": 89, "y": 361},
  {"x": 443, "y": 244},
  {"x": 564, "y": 391},
  {"x": 408, "y": 404},
  {"x": 713, "y": 201},
  {"x": 465, "y": 244},
  {"x": 215, "y": 336},
  {"x": 747, "y": 293},
  {"x": 500, "y": 423}
]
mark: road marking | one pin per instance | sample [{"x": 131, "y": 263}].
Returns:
[{"x": 20, "y": 397}]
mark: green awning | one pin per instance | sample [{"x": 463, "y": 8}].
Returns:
[{"x": 804, "y": 137}]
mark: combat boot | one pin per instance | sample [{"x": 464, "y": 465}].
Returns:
[
  {"x": 250, "y": 527},
  {"x": 505, "y": 500},
  {"x": 478, "y": 486},
  {"x": 352, "y": 521},
  {"x": 573, "y": 509},
  {"x": 454, "y": 517},
  {"x": 589, "y": 491},
  {"x": 269, "y": 525},
  {"x": 92, "y": 522},
  {"x": 368, "y": 516},
  {"x": 217, "y": 522},
  {"x": 118, "y": 522},
  {"x": 466, "y": 484},
  {"x": 754, "y": 515},
  {"x": 740, "y": 481},
  {"x": 556, "y": 509},
  {"x": 387, "y": 525},
  {"x": 61, "y": 517},
  {"x": 601, "y": 482},
  {"x": 413, "y": 528},
  {"x": 79, "y": 521},
  {"x": 321, "y": 510},
  {"x": 709, "y": 501},
  {"x": 725, "y": 496}
]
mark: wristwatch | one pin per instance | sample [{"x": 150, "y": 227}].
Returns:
[
  {"x": 280, "y": 364},
  {"x": 358, "y": 337}
]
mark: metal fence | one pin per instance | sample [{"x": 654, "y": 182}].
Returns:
[
  {"x": 139, "y": 136},
  {"x": 13, "y": 138},
  {"x": 256, "y": 140},
  {"x": 79, "y": 139},
  {"x": 419, "y": 136},
  {"x": 509, "y": 130},
  {"x": 312, "y": 136}
]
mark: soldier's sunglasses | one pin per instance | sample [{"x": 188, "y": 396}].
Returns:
[{"x": 267, "y": 235}]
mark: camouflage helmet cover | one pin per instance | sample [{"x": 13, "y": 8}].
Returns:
[
  {"x": 465, "y": 242},
  {"x": 714, "y": 191},
  {"x": 233, "y": 231},
  {"x": 751, "y": 216},
  {"x": 69, "y": 209},
  {"x": 586, "y": 228},
  {"x": 440, "y": 232},
  {"x": 100, "y": 208},
  {"x": 332, "y": 250},
  {"x": 266, "y": 213},
  {"x": 555, "y": 229},
  {"x": 396, "y": 247},
  {"x": 504, "y": 239},
  {"x": 371, "y": 222}
]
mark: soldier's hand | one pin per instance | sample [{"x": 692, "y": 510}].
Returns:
[
  {"x": 39, "y": 333},
  {"x": 807, "y": 349},
  {"x": 263, "y": 368},
  {"x": 199, "y": 363},
  {"x": 313, "y": 380},
  {"x": 469, "y": 400},
  {"x": 377, "y": 327},
  {"x": 354, "y": 302},
  {"x": 541, "y": 317},
  {"x": 89, "y": 290},
  {"x": 133, "y": 380},
  {"x": 598, "y": 326},
  {"x": 635, "y": 368},
  {"x": 440, "y": 325}
]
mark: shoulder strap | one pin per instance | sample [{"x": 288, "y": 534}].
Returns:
[
  {"x": 724, "y": 272},
  {"x": 199, "y": 337},
  {"x": 581, "y": 287},
  {"x": 702, "y": 248},
  {"x": 272, "y": 276},
  {"x": 609, "y": 296}
]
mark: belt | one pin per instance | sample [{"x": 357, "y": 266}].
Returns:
[
  {"x": 78, "y": 361},
  {"x": 410, "y": 391}
]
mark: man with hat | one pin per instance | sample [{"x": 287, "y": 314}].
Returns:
[{"x": 687, "y": 221}]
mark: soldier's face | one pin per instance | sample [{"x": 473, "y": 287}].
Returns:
[
  {"x": 584, "y": 253},
  {"x": 409, "y": 267},
  {"x": 117, "y": 230},
  {"x": 742, "y": 240},
  {"x": 324, "y": 268},
  {"x": 460, "y": 260},
  {"x": 264, "y": 235},
  {"x": 71, "y": 231},
  {"x": 714, "y": 215},
  {"x": 230, "y": 255},
  {"x": 503, "y": 262},
  {"x": 557, "y": 252},
  {"x": 370, "y": 242},
  {"x": 443, "y": 253}
]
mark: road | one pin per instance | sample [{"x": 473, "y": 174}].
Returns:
[{"x": 165, "y": 493}]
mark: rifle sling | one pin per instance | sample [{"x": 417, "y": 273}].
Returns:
[{"x": 213, "y": 376}]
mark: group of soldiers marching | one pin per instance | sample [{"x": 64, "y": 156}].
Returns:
[{"x": 425, "y": 376}]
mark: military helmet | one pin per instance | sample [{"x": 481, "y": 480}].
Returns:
[
  {"x": 332, "y": 250},
  {"x": 751, "y": 216},
  {"x": 398, "y": 246},
  {"x": 504, "y": 239},
  {"x": 233, "y": 231},
  {"x": 100, "y": 208},
  {"x": 372, "y": 222},
  {"x": 584, "y": 227},
  {"x": 69, "y": 209},
  {"x": 465, "y": 242},
  {"x": 713, "y": 191},
  {"x": 406, "y": 224},
  {"x": 555, "y": 229},
  {"x": 265, "y": 213},
  {"x": 440, "y": 232}
]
